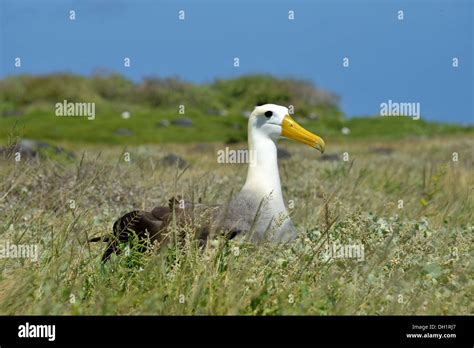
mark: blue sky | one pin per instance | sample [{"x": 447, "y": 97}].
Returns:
[{"x": 405, "y": 61}]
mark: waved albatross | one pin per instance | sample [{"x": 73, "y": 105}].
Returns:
[{"x": 256, "y": 213}]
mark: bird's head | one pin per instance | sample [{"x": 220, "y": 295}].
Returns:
[{"x": 275, "y": 122}]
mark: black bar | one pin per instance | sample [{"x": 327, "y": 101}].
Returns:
[{"x": 206, "y": 330}]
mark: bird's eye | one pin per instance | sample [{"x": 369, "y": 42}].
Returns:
[{"x": 268, "y": 114}]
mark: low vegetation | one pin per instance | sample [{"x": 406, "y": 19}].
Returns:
[
  {"x": 214, "y": 112},
  {"x": 407, "y": 203},
  {"x": 400, "y": 190}
]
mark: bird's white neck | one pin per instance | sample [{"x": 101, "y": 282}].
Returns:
[{"x": 263, "y": 177}]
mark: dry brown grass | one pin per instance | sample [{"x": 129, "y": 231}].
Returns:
[{"x": 418, "y": 260}]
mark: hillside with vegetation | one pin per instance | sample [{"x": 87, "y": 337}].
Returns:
[{"x": 151, "y": 111}]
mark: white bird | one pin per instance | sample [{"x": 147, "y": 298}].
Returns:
[{"x": 258, "y": 211}]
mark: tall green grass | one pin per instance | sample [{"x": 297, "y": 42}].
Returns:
[{"x": 417, "y": 259}]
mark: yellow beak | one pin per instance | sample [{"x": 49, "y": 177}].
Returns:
[{"x": 292, "y": 130}]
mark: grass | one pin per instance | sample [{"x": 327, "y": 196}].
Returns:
[
  {"x": 41, "y": 123},
  {"x": 418, "y": 259}
]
